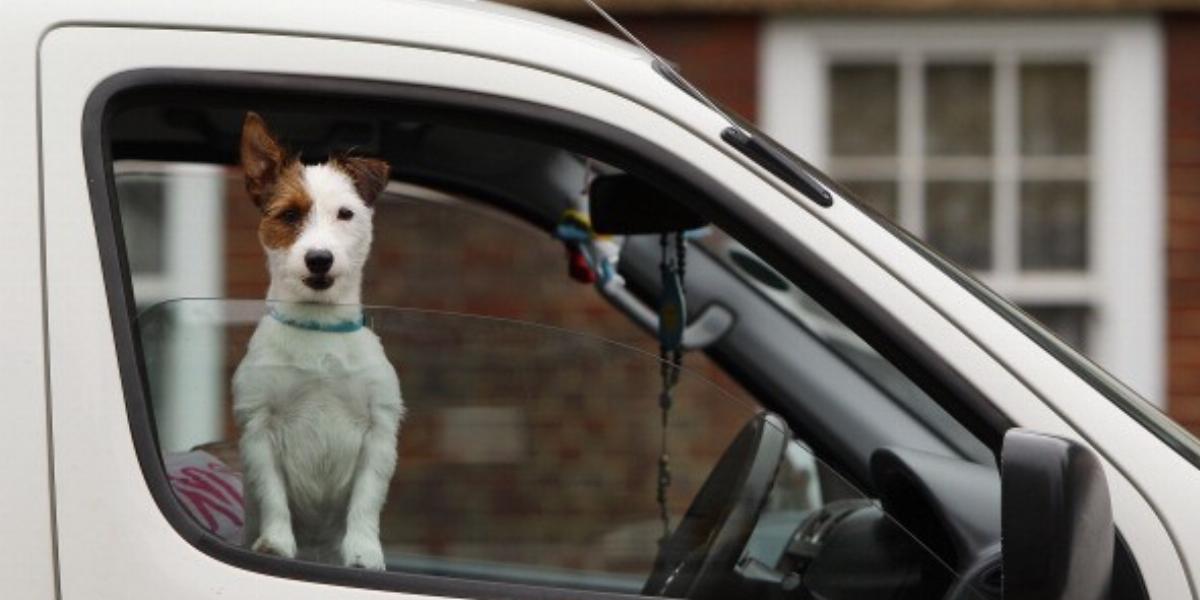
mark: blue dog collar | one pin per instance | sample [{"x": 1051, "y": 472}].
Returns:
[{"x": 347, "y": 326}]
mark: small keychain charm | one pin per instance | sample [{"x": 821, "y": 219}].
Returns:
[{"x": 671, "y": 310}]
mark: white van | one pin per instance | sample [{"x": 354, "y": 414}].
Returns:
[{"x": 854, "y": 416}]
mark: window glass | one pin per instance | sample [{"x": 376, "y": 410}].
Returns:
[
  {"x": 991, "y": 169},
  {"x": 143, "y": 215},
  {"x": 1054, "y": 109},
  {"x": 536, "y": 444},
  {"x": 959, "y": 221},
  {"x": 173, "y": 226},
  {"x": 527, "y": 454},
  {"x": 841, "y": 341},
  {"x": 1054, "y": 220},
  {"x": 958, "y": 112},
  {"x": 864, "y": 109}
]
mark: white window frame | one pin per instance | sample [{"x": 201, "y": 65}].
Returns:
[
  {"x": 1125, "y": 283},
  {"x": 193, "y": 267}
]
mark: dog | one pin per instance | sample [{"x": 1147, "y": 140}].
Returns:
[{"x": 317, "y": 402}]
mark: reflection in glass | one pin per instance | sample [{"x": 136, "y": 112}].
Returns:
[
  {"x": 958, "y": 110},
  {"x": 523, "y": 445},
  {"x": 1054, "y": 109},
  {"x": 958, "y": 221},
  {"x": 143, "y": 216},
  {"x": 1054, "y": 219},
  {"x": 529, "y": 454},
  {"x": 863, "y": 109}
]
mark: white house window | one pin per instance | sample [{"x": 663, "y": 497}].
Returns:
[
  {"x": 1018, "y": 148},
  {"x": 989, "y": 165},
  {"x": 172, "y": 216}
]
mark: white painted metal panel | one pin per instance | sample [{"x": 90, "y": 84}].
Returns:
[{"x": 27, "y": 553}]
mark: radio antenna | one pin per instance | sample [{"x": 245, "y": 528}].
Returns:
[{"x": 664, "y": 66}]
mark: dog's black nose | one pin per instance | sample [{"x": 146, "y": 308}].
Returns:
[{"x": 318, "y": 261}]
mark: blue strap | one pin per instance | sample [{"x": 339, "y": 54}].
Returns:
[
  {"x": 672, "y": 310},
  {"x": 347, "y": 326}
]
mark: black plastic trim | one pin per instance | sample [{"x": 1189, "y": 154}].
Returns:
[
  {"x": 770, "y": 158},
  {"x": 769, "y": 239},
  {"x": 1056, "y": 520},
  {"x": 764, "y": 151}
]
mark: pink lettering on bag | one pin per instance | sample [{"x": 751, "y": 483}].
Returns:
[{"x": 210, "y": 491}]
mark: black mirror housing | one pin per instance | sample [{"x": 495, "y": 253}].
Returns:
[
  {"x": 1056, "y": 520},
  {"x": 625, "y": 205}
]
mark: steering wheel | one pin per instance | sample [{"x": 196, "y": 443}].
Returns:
[{"x": 699, "y": 557}]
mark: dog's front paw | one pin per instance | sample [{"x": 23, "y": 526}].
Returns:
[
  {"x": 279, "y": 542},
  {"x": 362, "y": 551}
]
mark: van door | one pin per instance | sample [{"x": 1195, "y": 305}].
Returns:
[{"x": 116, "y": 535}]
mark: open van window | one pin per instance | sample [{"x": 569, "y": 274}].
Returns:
[{"x": 535, "y": 444}]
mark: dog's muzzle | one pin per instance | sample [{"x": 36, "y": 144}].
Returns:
[
  {"x": 319, "y": 262},
  {"x": 319, "y": 282}
]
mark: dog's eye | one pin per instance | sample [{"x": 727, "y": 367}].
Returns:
[
  {"x": 290, "y": 216},
  {"x": 345, "y": 214}
]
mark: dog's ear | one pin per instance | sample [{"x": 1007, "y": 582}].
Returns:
[
  {"x": 370, "y": 175},
  {"x": 262, "y": 158}
]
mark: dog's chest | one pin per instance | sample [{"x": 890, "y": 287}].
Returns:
[
  {"x": 321, "y": 378},
  {"x": 319, "y": 433},
  {"x": 315, "y": 391},
  {"x": 323, "y": 400}
]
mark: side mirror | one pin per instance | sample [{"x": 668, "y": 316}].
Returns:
[{"x": 1056, "y": 520}]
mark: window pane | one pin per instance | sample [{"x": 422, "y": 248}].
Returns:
[
  {"x": 1054, "y": 218},
  {"x": 863, "y": 109},
  {"x": 1054, "y": 109},
  {"x": 958, "y": 110},
  {"x": 528, "y": 453},
  {"x": 1069, "y": 323},
  {"x": 880, "y": 196},
  {"x": 517, "y": 465},
  {"x": 958, "y": 221},
  {"x": 142, "y": 215}
]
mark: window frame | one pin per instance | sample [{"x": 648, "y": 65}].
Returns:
[
  {"x": 888, "y": 335},
  {"x": 179, "y": 230},
  {"x": 1124, "y": 282},
  {"x": 188, "y": 220}
]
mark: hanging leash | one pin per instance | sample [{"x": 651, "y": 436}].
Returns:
[
  {"x": 672, "y": 315},
  {"x": 592, "y": 259}
]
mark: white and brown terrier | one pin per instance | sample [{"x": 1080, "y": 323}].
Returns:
[{"x": 315, "y": 397}]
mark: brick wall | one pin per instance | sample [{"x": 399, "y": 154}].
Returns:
[
  {"x": 717, "y": 53},
  {"x": 1183, "y": 217}
]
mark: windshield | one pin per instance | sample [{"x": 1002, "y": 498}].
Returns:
[{"x": 790, "y": 167}]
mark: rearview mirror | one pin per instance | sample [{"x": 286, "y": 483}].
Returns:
[
  {"x": 1056, "y": 520},
  {"x": 625, "y": 205}
]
